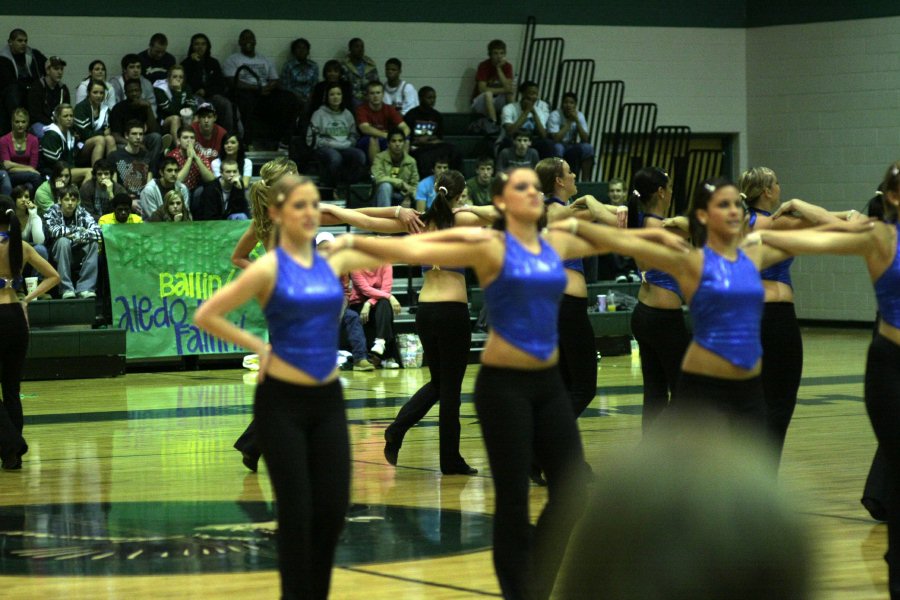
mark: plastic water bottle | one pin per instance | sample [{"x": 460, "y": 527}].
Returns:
[{"x": 610, "y": 301}]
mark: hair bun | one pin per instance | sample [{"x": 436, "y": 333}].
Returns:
[{"x": 443, "y": 190}]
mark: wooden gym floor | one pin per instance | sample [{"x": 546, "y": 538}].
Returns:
[{"x": 132, "y": 490}]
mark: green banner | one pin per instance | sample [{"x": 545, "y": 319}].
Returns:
[{"x": 159, "y": 274}]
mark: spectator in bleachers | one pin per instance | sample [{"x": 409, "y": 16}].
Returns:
[
  {"x": 372, "y": 300},
  {"x": 153, "y": 193},
  {"x": 359, "y": 70},
  {"x": 175, "y": 104},
  {"x": 395, "y": 173},
  {"x": 425, "y": 192},
  {"x": 521, "y": 154},
  {"x": 45, "y": 194},
  {"x": 374, "y": 119},
  {"x": 568, "y": 129},
  {"x": 121, "y": 212},
  {"x": 203, "y": 75},
  {"x": 173, "y": 210},
  {"x": 133, "y": 161},
  {"x": 131, "y": 70},
  {"x": 426, "y": 125},
  {"x": 208, "y": 133},
  {"x": 20, "y": 67},
  {"x": 155, "y": 61},
  {"x": 616, "y": 191},
  {"x": 493, "y": 84},
  {"x": 222, "y": 198},
  {"x": 136, "y": 108},
  {"x": 528, "y": 115},
  {"x": 479, "y": 187},
  {"x": 73, "y": 233},
  {"x": 96, "y": 72},
  {"x": 233, "y": 148},
  {"x": 98, "y": 192},
  {"x": 331, "y": 73},
  {"x": 92, "y": 125},
  {"x": 194, "y": 169},
  {"x": 258, "y": 91},
  {"x": 27, "y": 213},
  {"x": 351, "y": 328},
  {"x": 400, "y": 94},
  {"x": 335, "y": 140},
  {"x": 299, "y": 75},
  {"x": 59, "y": 143},
  {"x": 20, "y": 152},
  {"x": 46, "y": 94}
]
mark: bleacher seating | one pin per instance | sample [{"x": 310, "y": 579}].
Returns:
[{"x": 64, "y": 344}]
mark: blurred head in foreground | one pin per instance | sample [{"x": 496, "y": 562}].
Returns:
[{"x": 691, "y": 513}]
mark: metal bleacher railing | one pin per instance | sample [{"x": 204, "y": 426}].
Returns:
[{"x": 626, "y": 135}]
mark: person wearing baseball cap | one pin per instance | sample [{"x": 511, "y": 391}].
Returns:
[
  {"x": 49, "y": 93},
  {"x": 209, "y": 134}
]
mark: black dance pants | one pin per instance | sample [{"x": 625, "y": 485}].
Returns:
[
  {"x": 577, "y": 352},
  {"x": 445, "y": 331},
  {"x": 882, "y": 393},
  {"x": 302, "y": 432},
  {"x": 662, "y": 339},
  {"x": 781, "y": 369},
  {"x": 526, "y": 417},
  {"x": 13, "y": 347}
]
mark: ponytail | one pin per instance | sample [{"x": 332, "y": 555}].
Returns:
[
  {"x": 8, "y": 216},
  {"x": 498, "y": 185},
  {"x": 644, "y": 186},
  {"x": 449, "y": 186}
]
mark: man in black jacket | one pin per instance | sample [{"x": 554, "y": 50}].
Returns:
[
  {"x": 222, "y": 198},
  {"x": 20, "y": 68}
]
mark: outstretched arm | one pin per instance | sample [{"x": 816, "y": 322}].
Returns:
[
  {"x": 335, "y": 215},
  {"x": 656, "y": 247}
]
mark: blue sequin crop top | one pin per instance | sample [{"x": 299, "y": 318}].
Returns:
[
  {"x": 304, "y": 314},
  {"x": 779, "y": 271},
  {"x": 523, "y": 301},
  {"x": 727, "y": 307},
  {"x": 575, "y": 264},
  {"x": 654, "y": 277},
  {"x": 887, "y": 289}
]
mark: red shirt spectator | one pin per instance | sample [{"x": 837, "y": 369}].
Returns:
[
  {"x": 382, "y": 119},
  {"x": 487, "y": 72},
  {"x": 29, "y": 157},
  {"x": 193, "y": 176},
  {"x": 208, "y": 147},
  {"x": 370, "y": 285}
]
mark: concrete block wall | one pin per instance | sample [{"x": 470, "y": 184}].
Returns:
[{"x": 823, "y": 111}]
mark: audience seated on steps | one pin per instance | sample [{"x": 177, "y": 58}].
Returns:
[
  {"x": 333, "y": 135},
  {"x": 203, "y": 74},
  {"x": 568, "y": 129},
  {"x": 131, "y": 71},
  {"x": 400, "y": 94},
  {"x": 222, "y": 198},
  {"x": 395, "y": 173},
  {"x": 20, "y": 67},
  {"x": 74, "y": 237},
  {"x": 173, "y": 210},
  {"x": 20, "y": 152},
  {"x": 425, "y": 192},
  {"x": 98, "y": 192},
  {"x": 521, "y": 154},
  {"x": 372, "y": 300},
  {"x": 133, "y": 162},
  {"x": 359, "y": 70},
  {"x": 155, "y": 61},
  {"x": 153, "y": 193},
  {"x": 493, "y": 85},
  {"x": 135, "y": 108},
  {"x": 194, "y": 169},
  {"x": 121, "y": 212},
  {"x": 479, "y": 186},
  {"x": 46, "y": 94},
  {"x": 299, "y": 74},
  {"x": 175, "y": 102},
  {"x": 427, "y": 137},
  {"x": 375, "y": 119},
  {"x": 528, "y": 115},
  {"x": 259, "y": 94}
]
